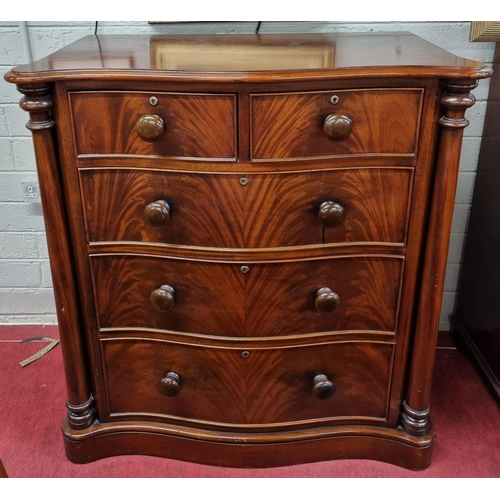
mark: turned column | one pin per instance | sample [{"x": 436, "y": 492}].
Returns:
[
  {"x": 38, "y": 102},
  {"x": 456, "y": 98}
]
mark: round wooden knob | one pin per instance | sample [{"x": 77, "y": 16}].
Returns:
[
  {"x": 157, "y": 213},
  {"x": 150, "y": 127},
  {"x": 323, "y": 388},
  {"x": 326, "y": 300},
  {"x": 163, "y": 298},
  {"x": 331, "y": 214},
  {"x": 170, "y": 385},
  {"x": 337, "y": 127}
]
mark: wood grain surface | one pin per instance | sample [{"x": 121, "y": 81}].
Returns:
[
  {"x": 206, "y": 306},
  {"x": 196, "y": 125},
  {"x": 271, "y": 299},
  {"x": 384, "y": 121},
  {"x": 215, "y": 210},
  {"x": 219, "y": 58},
  {"x": 268, "y": 386}
]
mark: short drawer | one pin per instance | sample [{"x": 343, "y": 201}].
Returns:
[
  {"x": 247, "y": 211},
  {"x": 337, "y": 122},
  {"x": 248, "y": 386},
  {"x": 239, "y": 299},
  {"x": 177, "y": 125}
]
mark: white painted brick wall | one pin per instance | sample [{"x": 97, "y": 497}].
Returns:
[
  {"x": 25, "y": 284},
  {"x": 24, "y": 154},
  {"x": 8, "y": 92},
  {"x": 20, "y": 217},
  {"x": 19, "y": 246},
  {"x": 3, "y": 123},
  {"x": 20, "y": 273},
  {"x": 26, "y": 302}
]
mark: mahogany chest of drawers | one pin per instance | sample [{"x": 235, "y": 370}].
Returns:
[{"x": 248, "y": 238}]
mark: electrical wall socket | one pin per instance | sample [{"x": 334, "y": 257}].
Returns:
[{"x": 31, "y": 191}]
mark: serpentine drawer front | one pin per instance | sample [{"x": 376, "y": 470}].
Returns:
[
  {"x": 251, "y": 210},
  {"x": 248, "y": 238},
  {"x": 249, "y": 300},
  {"x": 338, "y": 381}
]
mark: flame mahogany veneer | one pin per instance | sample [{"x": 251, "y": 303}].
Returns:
[{"x": 248, "y": 239}]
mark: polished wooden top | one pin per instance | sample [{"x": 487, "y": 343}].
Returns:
[{"x": 273, "y": 57}]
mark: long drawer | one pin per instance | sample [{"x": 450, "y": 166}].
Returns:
[
  {"x": 248, "y": 386},
  {"x": 238, "y": 299},
  {"x": 247, "y": 211}
]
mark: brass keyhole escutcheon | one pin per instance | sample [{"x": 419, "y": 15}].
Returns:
[
  {"x": 245, "y": 354},
  {"x": 153, "y": 100},
  {"x": 334, "y": 99},
  {"x": 243, "y": 181},
  {"x": 244, "y": 269}
]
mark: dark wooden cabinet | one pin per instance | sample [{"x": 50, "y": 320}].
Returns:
[
  {"x": 477, "y": 315},
  {"x": 248, "y": 238}
]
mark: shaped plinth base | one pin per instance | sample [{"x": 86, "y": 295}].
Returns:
[{"x": 245, "y": 450}]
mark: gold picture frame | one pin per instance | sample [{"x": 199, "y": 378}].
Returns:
[{"x": 485, "y": 31}]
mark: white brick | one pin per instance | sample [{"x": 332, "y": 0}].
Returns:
[
  {"x": 46, "y": 275},
  {"x": 178, "y": 28},
  {"x": 70, "y": 36},
  {"x": 18, "y": 246},
  {"x": 28, "y": 319},
  {"x": 21, "y": 217},
  {"x": 20, "y": 274},
  {"x": 465, "y": 188},
  {"x": 452, "y": 277},
  {"x": 131, "y": 24},
  {"x": 16, "y": 120},
  {"x": 6, "y": 155},
  {"x": 460, "y": 219},
  {"x": 445, "y": 325},
  {"x": 43, "y": 251},
  {"x": 24, "y": 154},
  {"x": 11, "y": 50},
  {"x": 454, "y": 37},
  {"x": 470, "y": 153},
  {"x": 8, "y": 91},
  {"x": 4, "y": 131},
  {"x": 447, "y": 308},
  {"x": 45, "y": 41},
  {"x": 455, "y": 253},
  {"x": 60, "y": 24},
  {"x": 20, "y": 301},
  {"x": 10, "y": 185},
  {"x": 475, "y": 115},
  {"x": 481, "y": 92}
]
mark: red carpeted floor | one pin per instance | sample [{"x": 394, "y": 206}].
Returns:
[{"x": 32, "y": 407}]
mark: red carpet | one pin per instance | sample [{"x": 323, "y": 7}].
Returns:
[{"x": 32, "y": 407}]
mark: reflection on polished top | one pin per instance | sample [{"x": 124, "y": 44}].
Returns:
[{"x": 248, "y": 57}]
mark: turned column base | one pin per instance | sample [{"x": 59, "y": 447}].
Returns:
[
  {"x": 415, "y": 422},
  {"x": 81, "y": 416}
]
